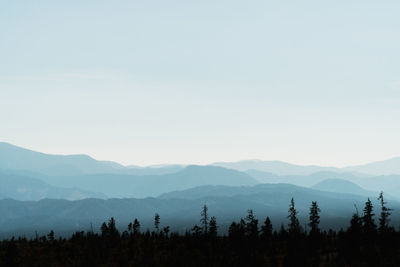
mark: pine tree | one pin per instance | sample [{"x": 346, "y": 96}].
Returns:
[
  {"x": 197, "y": 230},
  {"x": 369, "y": 225},
  {"x": 294, "y": 225},
  {"x": 314, "y": 218},
  {"x": 266, "y": 229},
  {"x": 251, "y": 225},
  {"x": 104, "y": 229},
  {"x": 237, "y": 230},
  {"x": 136, "y": 227},
  {"x": 213, "y": 231},
  {"x": 166, "y": 230},
  {"x": 157, "y": 222},
  {"x": 385, "y": 213},
  {"x": 204, "y": 219},
  {"x": 355, "y": 223}
]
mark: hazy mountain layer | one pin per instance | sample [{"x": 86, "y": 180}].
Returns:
[
  {"x": 343, "y": 186},
  {"x": 114, "y": 185},
  {"x": 181, "y": 209},
  {"x": 26, "y": 161},
  {"x": 27, "y": 188}
]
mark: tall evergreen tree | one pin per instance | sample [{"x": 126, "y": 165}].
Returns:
[
  {"x": 368, "y": 221},
  {"x": 355, "y": 223},
  {"x": 385, "y": 213},
  {"x": 204, "y": 219},
  {"x": 314, "y": 218},
  {"x": 294, "y": 225},
  {"x": 104, "y": 229},
  {"x": 136, "y": 227},
  {"x": 237, "y": 230},
  {"x": 213, "y": 228},
  {"x": 266, "y": 228},
  {"x": 157, "y": 222},
  {"x": 166, "y": 230},
  {"x": 251, "y": 225}
]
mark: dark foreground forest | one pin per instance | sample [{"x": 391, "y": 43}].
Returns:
[{"x": 370, "y": 240}]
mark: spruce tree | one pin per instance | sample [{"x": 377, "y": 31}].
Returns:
[
  {"x": 266, "y": 229},
  {"x": 213, "y": 228},
  {"x": 385, "y": 213},
  {"x": 314, "y": 218},
  {"x": 294, "y": 225},
  {"x": 368, "y": 221},
  {"x": 355, "y": 227},
  {"x": 157, "y": 222},
  {"x": 251, "y": 225},
  {"x": 204, "y": 219},
  {"x": 136, "y": 227}
]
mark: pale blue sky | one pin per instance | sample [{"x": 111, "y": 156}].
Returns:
[{"x": 149, "y": 82}]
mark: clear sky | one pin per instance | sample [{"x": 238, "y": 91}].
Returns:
[{"x": 182, "y": 81}]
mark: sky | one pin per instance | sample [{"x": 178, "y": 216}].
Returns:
[{"x": 195, "y": 82}]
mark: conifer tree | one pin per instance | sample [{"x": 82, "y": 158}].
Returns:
[
  {"x": 213, "y": 227},
  {"x": 266, "y": 228},
  {"x": 204, "y": 219},
  {"x": 136, "y": 227},
  {"x": 251, "y": 225},
  {"x": 355, "y": 223},
  {"x": 368, "y": 221},
  {"x": 314, "y": 218},
  {"x": 104, "y": 229},
  {"x": 197, "y": 230},
  {"x": 157, "y": 222},
  {"x": 166, "y": 230},
  {"x": 385, "y": 213},
  {"x": 294, "y": 225}
]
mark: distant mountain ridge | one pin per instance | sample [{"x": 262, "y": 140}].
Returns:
[
  {"x": 122, "y": 185},
  {"x": 16, "y": 158},
  {"x": 275, "y": 167},
  {"x": 343, "y": 186},
  {"x": 86, "y": 174},
  {"x": 28, "y": 188},
  {"x": 181, "y": 209}
]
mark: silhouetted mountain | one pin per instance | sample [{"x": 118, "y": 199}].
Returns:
[
  {"x": 385, "y": 167},
  {"x": 17, "y": 158},
  {"x": 26, "y": 188},
  {"x": 116, "y": 185},
  {"x": 276, "y": 167},
  {"x": 343, "y": 186},
  {"x": 181, "y": 209},
  {"x": 389, "y": 184},
  {"x": 301, "y": 180},
  {"x": 26, "y": 161}
]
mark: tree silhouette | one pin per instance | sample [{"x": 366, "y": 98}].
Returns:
[
  {"x": 266, "y": 229},
  {"x": 294, "y": 225},
  {"x": 251, "y": 225},
  {"x": 204, "y": 219},
  {"x": 355, "y": 227},
  {"x": 384, "y": 217},
  {"x": 166, "y": 230},
  {"x": 136, "y": 227},
  {"x": 157, "y": 222},
  {"x": 237, "y": 230},
  {"x": 314, "y": 218},
  {"x": 368, "y": 221},
  {"x": 197, "y": 230},
  {"x": 213, "y": 228}
]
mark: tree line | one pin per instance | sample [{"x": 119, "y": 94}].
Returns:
[{"x": 366, "y": 242}]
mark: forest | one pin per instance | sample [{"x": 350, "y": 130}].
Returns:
[{"x": 369, "y": 240}]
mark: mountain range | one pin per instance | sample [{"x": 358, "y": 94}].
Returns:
[{"x": 69, "y": 192}]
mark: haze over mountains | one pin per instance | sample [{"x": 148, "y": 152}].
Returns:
[{"x": 101, "y": 189}]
